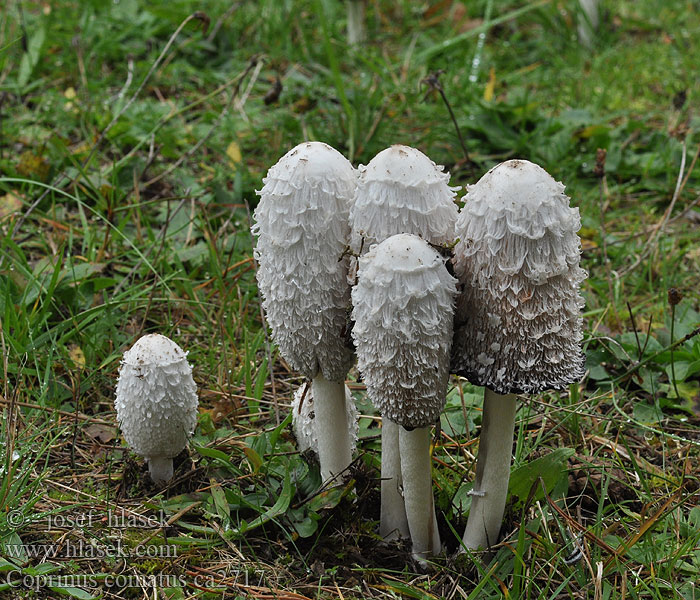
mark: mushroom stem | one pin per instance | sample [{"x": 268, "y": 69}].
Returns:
[
  {"x": 160, "y": 469},
  {"x": 393, "y": 522},
  {"x": 492, "y": 471},
  {"x": 334, "y": 444},
  {"x": 414, "y": 447},
  {"x": 356, "y": 22}
]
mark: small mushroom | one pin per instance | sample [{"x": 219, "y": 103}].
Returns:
[
  {"x": 301, "y": 223},
  {"x": 403, "y": 310},
  {"x": 518, "y": 319},
  {"x": 304, "y": 419},
  {"x": 156, "y": 402}
]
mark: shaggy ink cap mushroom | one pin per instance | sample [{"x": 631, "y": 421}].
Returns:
[
  {"x": 301, "y": 223},
  {"x": 518, "y": 320},
  {"x": 403, "y": 310},
  {"x": 302, "y": 227},
  {"x": 156, "y": 402},
  {"x": 402, "y": 191}
]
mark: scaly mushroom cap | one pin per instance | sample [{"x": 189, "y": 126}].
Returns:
[
  {"x": 518, "y": 320},
  {"x": 403, "y": 309},
  {"x": 402, "y": 191},
  {"x": 302, "y": 229},
  {"x": 156, "y": 397},
  {"x": 304, "y": 422}
]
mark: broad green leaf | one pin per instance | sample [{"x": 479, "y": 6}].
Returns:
[
  {"x": 253, "y": 458},
  {"x": 682, "y": 369},
  {"x": 12, "y": 546},
  {"x": 41, "y": 569},
  {"x": 551, "y": 468},
  {"x": 213, "y": 453},
  {"x": 31, "y": 57},
  {"x": 646, "y": 414},
  {"x": 406, "y": 590},
  {"x": 306, "y": 527},
  {"x": 7, "y": 566},
  {"x": 328, "y": 498},
  {"x": 276, "y": 510},
  {"x": 74, "y": 592},
  {"x": 220, "y": 503}
]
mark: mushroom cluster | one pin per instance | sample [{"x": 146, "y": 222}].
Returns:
[{"x": 510, "y": 321}]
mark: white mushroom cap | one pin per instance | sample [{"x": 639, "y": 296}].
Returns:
[
  {"x": 156, "y": 397},
  {"x": 304, "y": 422},
  {"x": 518, "y": 321},
  {"x": 303, "y": 231},
  {"x": 403, "y": 310},
  {"x": 402, "y": 191}
]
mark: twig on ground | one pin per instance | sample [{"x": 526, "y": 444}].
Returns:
[{"x": 240, "y": 104}]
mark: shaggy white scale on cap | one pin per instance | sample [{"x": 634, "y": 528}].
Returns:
[
  {"x": 304, "y": 421},
  {"x": 402, "y": 191},
  {"x": 302, "y": 228},
  {"x": 403, "y": 309},
  {"x": 518, "y": 321},
  {"x": 156, "y": 401}
]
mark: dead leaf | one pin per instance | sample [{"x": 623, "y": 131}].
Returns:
[
  {"x": 33, "y": 165},
  {"x": 77, "y": 355},
  {"x": 9, "y": 203},
  {"x": 220, "y": 411},
  {"x": 437, "y": 12},
  {"x": 102, "y": 433},
  {"x": 234, "y": 155},
  {"x": 490, "y": 86}
]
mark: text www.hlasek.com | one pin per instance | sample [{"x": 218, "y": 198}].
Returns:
[{"x": 81, "y": 549}]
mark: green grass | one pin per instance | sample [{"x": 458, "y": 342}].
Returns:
[{"x": 129, "y": 161}]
